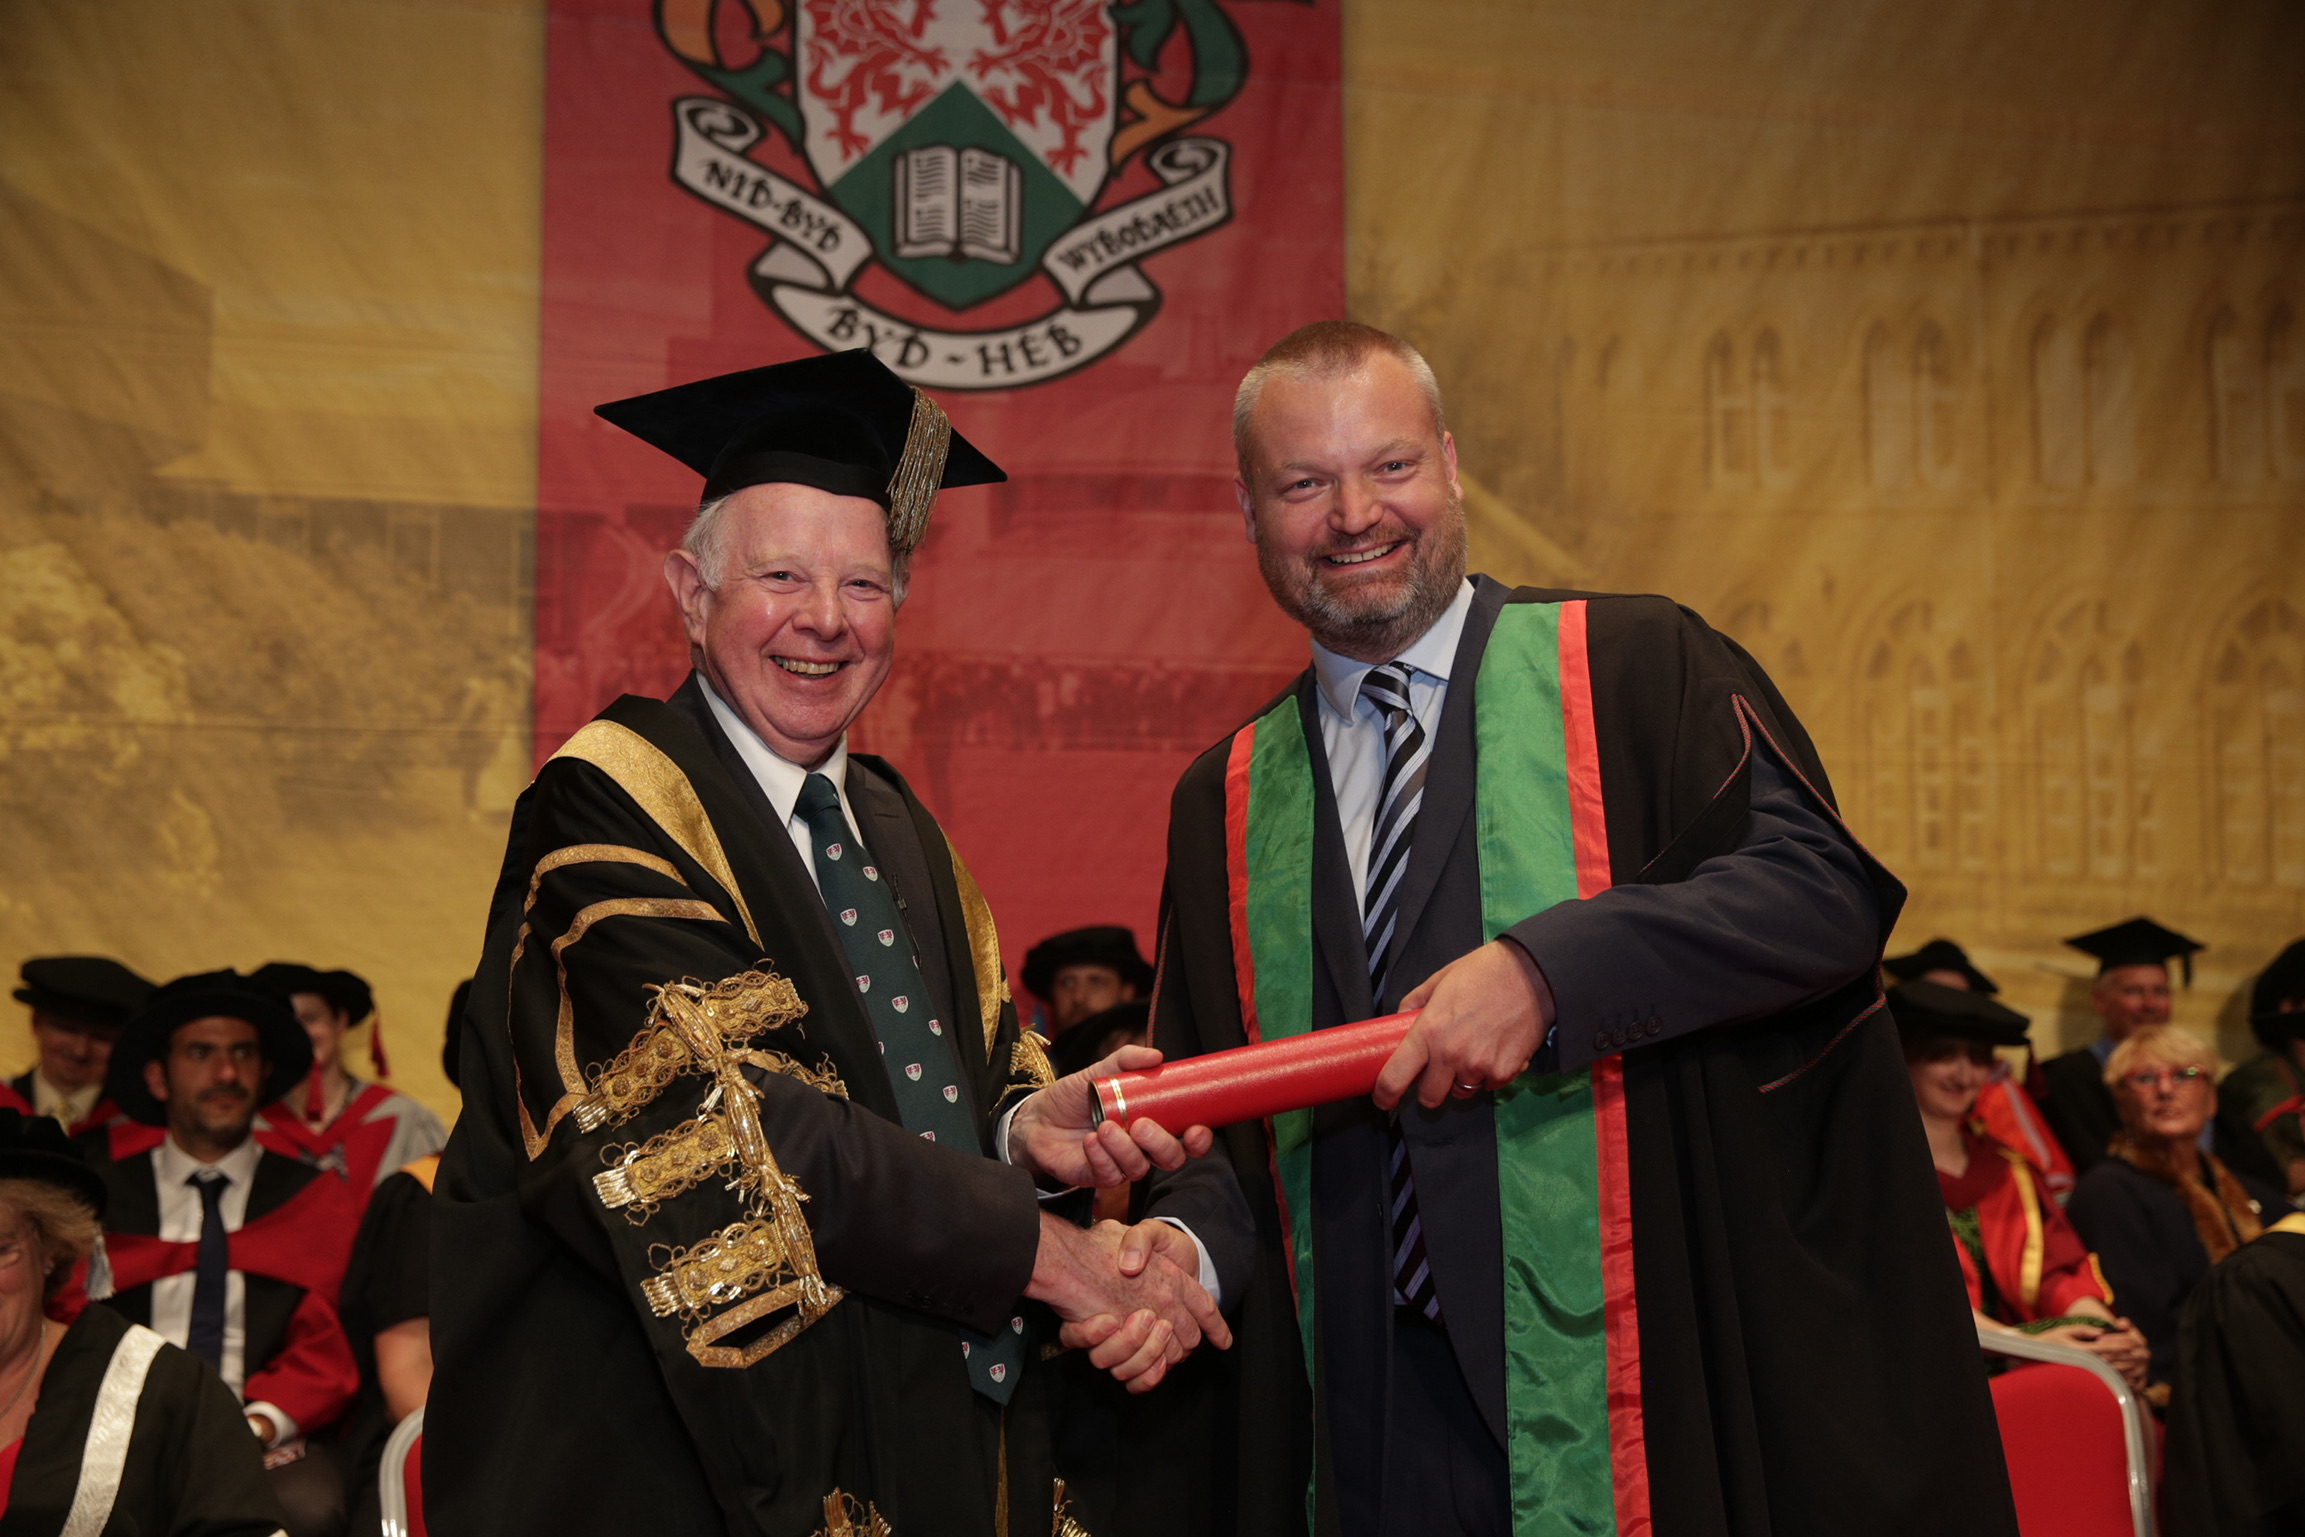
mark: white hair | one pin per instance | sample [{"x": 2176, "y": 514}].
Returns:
[{"x": 705, "y": 543}]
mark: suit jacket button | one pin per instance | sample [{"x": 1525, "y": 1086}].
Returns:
[
  {"x": 1655, "y": 1024},
  {"x": 1601, "y": 1041}
]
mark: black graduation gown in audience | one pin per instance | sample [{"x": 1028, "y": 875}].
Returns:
[
  {"x": 191, "y": 1467},
  {"x": 2143, "y": 1236},
  {"x": 387, "y": 1283},
  {"x": 2078, "y": 1107},
  {"x": 2237, "y": 1418}
]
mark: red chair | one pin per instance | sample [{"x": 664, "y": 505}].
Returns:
[
  {"x": 400, "y": 1479},
  {"x": 2076, "y": 1441}
]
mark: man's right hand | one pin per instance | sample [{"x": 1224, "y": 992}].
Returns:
[{"x": 1134, "y": 1326}]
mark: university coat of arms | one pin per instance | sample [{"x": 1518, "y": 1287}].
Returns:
[{"x": 965, "y": 146}]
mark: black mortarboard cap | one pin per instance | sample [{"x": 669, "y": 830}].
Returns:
[
  {"x": 1938, "y": 955},
  {"x": 92, "y": 989},
  {"x": 345, "y": 992},
  {"x": 842, "y": 422},
  {"x": 1927, "y": 1009},
  {"x": 35, "y": 1147},
  {"x": 2138, "y": 941},
  {"x": 2281, "y": 982}
]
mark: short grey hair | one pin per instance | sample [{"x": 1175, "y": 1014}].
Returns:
[
  {"x": 706, "y": 543},
  {"x": 1327, "y": 349}
]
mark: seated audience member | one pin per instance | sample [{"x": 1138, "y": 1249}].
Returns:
[
  {"x": 1085, "y": 971},
  {"x": 362, "y": 1131},
  {"x": 2025, "y": 1267},
  {"x": 104, "y": 1427},
  {"x": 2264, "y": 1097},
  {"x": 2008, "y": 1111},
  {"x": 2130, "y": 993},
  {"x": 78, "y": 1004},
  {"x": 228, "y": 1250},
  {"x": 2236, "y": 1450},
  {"x": 2159, "y": 1211},
  {"x": 388, "y": 1311}
]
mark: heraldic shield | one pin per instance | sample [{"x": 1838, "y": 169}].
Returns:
[
  {"x": 965, "y": 146},
  {"x": 964, "y": 135}
]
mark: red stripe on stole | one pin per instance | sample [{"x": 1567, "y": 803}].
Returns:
[
  {"x": 1244, "y": 959},
  {"x": 1589, "y": 828}
]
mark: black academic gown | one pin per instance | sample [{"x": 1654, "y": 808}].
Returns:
[
  {"x": 2078, "y": 1107},
  {"x": 1808, "y": 1361},
  {"x": 2236, "y": 1449},
  {"x": 2143, "y": 1235},
  {"x": 191, "y": 1468},
  {"x": 562, "y": 1403}
]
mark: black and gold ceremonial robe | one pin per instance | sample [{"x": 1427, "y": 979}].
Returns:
[{"x": 690, "y": 1274}]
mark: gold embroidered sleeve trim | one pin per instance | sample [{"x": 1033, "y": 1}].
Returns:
[
  {"x": 660, "y": 789},
  {"x": 983, "y": 948},
  {"x": 641, "y": 1177},
  {"x": 1029, "y": 1060},
  {"x": 847, "y": 1516},
  {"x": 564, "y": 1026},
  {"x": 691, "y": 1028}
]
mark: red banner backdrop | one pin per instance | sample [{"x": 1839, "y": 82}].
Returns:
[{"x": 1076, "y": 224}]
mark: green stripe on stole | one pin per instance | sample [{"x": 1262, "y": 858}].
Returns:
[
  {"x": 1556, "y": 1345},
  {"x": 1555, "y": 1341}
]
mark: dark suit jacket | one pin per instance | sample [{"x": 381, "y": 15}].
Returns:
[{"x": 1788, "y": 916}]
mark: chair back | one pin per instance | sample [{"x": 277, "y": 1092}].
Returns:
[
  {"x": 2075, "y": 1440},
  {"x": 400, "y": 1479}
]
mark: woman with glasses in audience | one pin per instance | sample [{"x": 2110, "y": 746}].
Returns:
[
  {"x": 2026, "y": 1268},
  {"x": 2160, "y": 1210},
  {"x": 105, "y": 1429}
]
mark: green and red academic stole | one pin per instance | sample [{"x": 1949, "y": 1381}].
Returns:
[{"x": 1572, "y": 1334}]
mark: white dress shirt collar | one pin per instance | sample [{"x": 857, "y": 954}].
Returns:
[
  {"x": 1432, "y": 653},
  {"x": 173, "y": 1166},
  {"x": 780, "y": 778}
]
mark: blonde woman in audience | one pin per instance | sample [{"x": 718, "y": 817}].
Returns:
[
  {"x": 2025, "y": 1267},
  {"x": 105, "y": 1428},
  {"x": 2160, "y": 1210}
]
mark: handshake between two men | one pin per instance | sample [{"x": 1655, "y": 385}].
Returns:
[{"x": 1132, "y": 1296}]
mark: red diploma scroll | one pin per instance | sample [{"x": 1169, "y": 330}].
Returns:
[{"x": 1249, "y": 1083}]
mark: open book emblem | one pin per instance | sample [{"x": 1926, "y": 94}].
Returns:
[
  {"x": 957, "y": 202},
  {"x": 972, "y": 149}
]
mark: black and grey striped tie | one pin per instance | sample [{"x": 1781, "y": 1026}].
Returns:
[{"x": 1407, "y": 753}]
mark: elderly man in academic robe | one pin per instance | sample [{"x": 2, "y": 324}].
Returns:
[
  {"x": 739, "y": 1231},
  {"x": 1637, "y": 1232}
]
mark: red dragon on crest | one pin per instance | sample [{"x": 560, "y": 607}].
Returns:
[
  {"x": 863, "y": 43},
  {"x": 1051, "y": 47}
]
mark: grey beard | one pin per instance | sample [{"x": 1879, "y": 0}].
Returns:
[{"x": 1381, "y": 633}]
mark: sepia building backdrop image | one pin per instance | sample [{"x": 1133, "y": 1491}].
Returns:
[{"x": 1950, "y": 358}]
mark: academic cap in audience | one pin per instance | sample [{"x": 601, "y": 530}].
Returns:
[
  {"x": 1101, "y": 944},
  {"x": 2137, "y": 942},
  {"x": 35, "y": 1147},
  {"x": 345, "y": 992},
  {"x": 842, "y": 422},
  {"x": 1929, "y": 1010},
  {"x": 1938, "y": 955},
  {"x": 287, "y": 1049},
  {"x": 86, "y": 989},
  {"x": 1098, "y": 1036},
  {"x": 2281, "y": 982}
]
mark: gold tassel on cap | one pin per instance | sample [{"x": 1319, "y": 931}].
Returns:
[{"x": 912, "y": 489}]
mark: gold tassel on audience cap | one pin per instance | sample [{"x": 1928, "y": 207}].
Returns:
[{"x": 912, "y": 489}]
